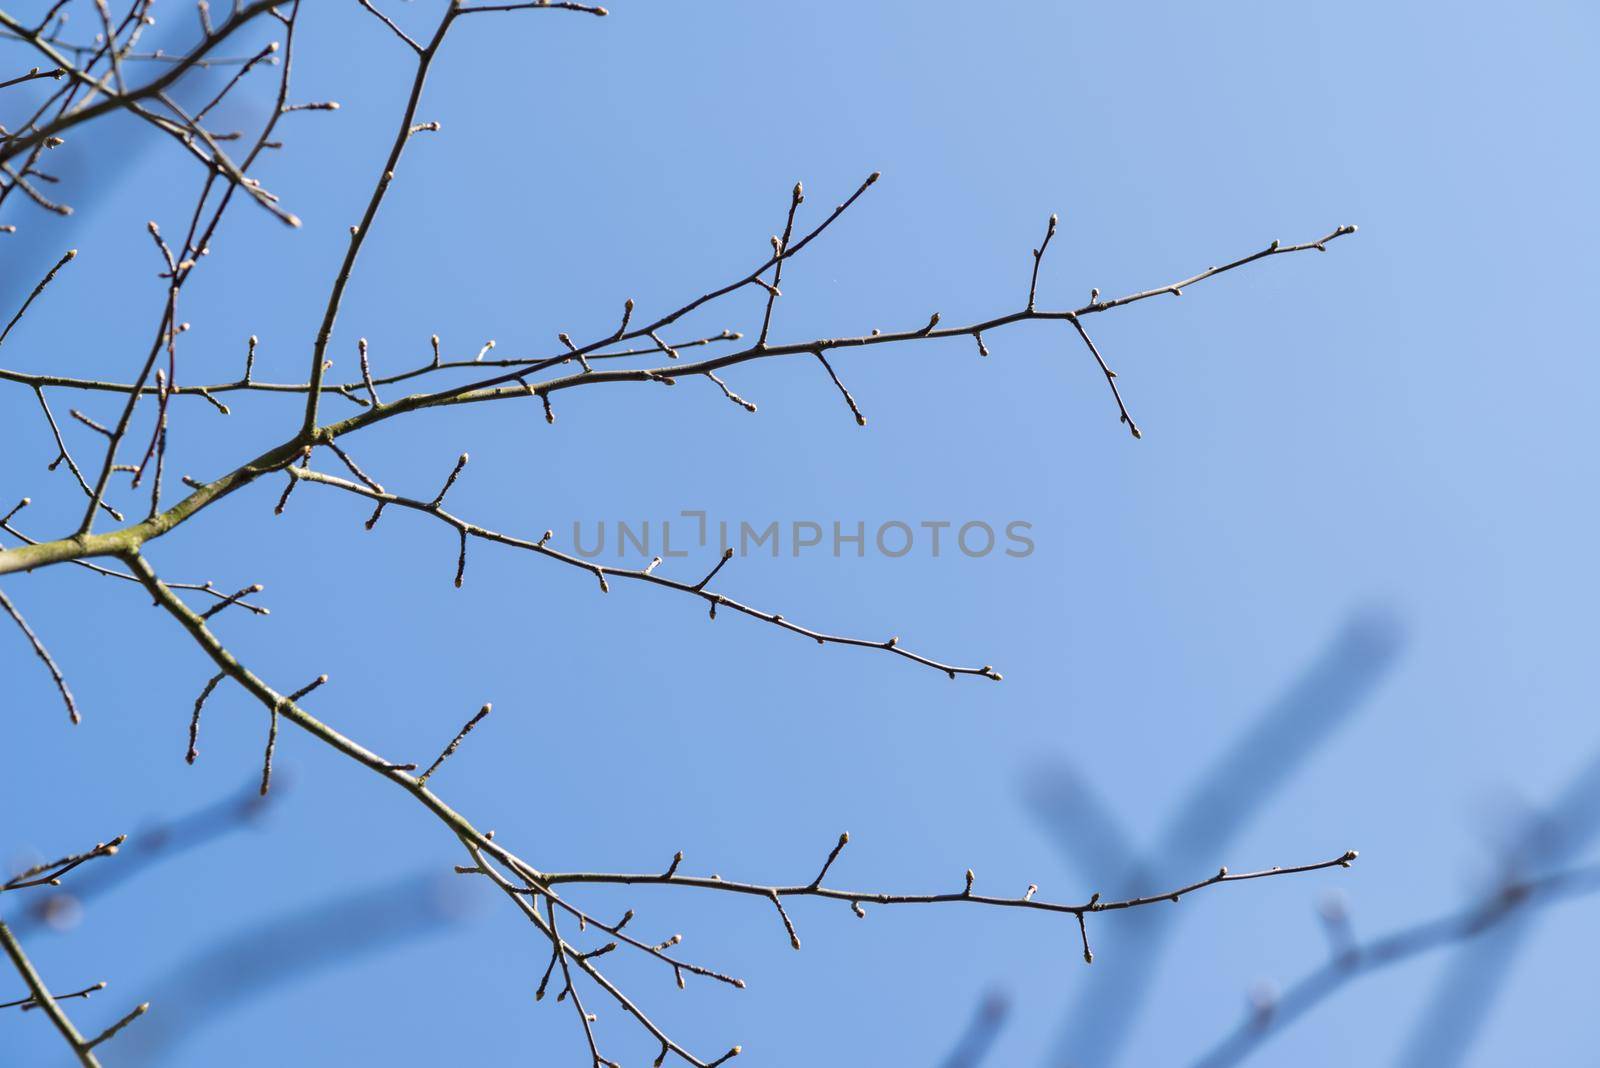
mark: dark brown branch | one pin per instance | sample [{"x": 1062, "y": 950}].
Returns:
[
  {"x": 358, "y": 233},
  {"x": 19, "y": 180},
  {"x": 1038, "y": 257},
  {"x": 44, "y": 655},
  {"x": 30, "y": 1002},
  {"x": 194, "y": 723},
  {"x": 366, "y": 373},
  {"x": 1026, "y": 901},
  {"x": 466, "y": 529},
  {"x": 535, "y": 5},
  {"x": 272, "y": 744},
  {"x": 1111, "y": 378},
  {"x": 387, "y": 21},
  {"x": 51, "y": 873},
  {"x": 247, "y": 383},
  {"x": 779, "y": 245},
  {"x": 516, "y": 378},
  {"x": 563, "y": 952},
  {"x": 231, "y": 600},
  {"x": 486, "y": 389},
  {"x": 286, "y": 706},
  {"x": 844, "y": 840},
  {"x": 32, "y": 75},
  {"x": 64, "y": 455},
  {"x": 455, "y": 743},
  {"x": 50, "y": 275},
  {"x": 861, "y": 420},
  {"x": 455, "y": 473},
  {"x": 525, "y": 888}
]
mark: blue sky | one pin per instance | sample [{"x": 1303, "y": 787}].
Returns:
[{"x": 1397, "y": 427}]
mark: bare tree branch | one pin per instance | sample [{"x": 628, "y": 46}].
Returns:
[
  {"x": 97, "y": 80},
  {"x": 39, "y": 995},
  {"x": 714, "y": 599}
]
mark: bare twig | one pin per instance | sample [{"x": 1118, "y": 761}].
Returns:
[
  {"x": 70, "y": 255},
  {"x": 648, "y": 575},
  {"x": 44, "y": 655},
  {"x": 32, "y": 75},
  {"x": 454, "y": 744},
  {"x": 30, "y": 1002},
  {"x": 1025, "y": 901},
  {"x": 194, "y": 723},
  {"x": 51, "y": 873}
]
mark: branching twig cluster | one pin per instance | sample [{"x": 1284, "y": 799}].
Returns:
[
  {"x": 652, "y": 347},
  {"x": 91, "y": 83},
  {"x": 39, "y": 995},
  {"x": 528, "y": 888}
]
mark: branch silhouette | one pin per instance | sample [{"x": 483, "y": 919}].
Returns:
[{"x": 643, "y": 347}]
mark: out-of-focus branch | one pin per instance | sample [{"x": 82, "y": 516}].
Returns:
[
  {"x": 976, "y": 1041},
  {"x": 264, "y": 952},
  {"x": 147, "y": 846},
  {"x": 1236, "y": 785},
  {"x": 1351, "y": 960}
]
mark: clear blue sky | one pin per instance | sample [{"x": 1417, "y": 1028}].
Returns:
[{"x": 1400, "y": 426}]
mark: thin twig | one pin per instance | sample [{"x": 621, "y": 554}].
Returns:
[
  {"x": 44, "y": 655},
  {"x": 455, "y": 743},
  {"x": 716, "y": 600}
]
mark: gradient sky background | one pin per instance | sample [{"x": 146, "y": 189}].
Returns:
[{"x": 1397, "y": 430}]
